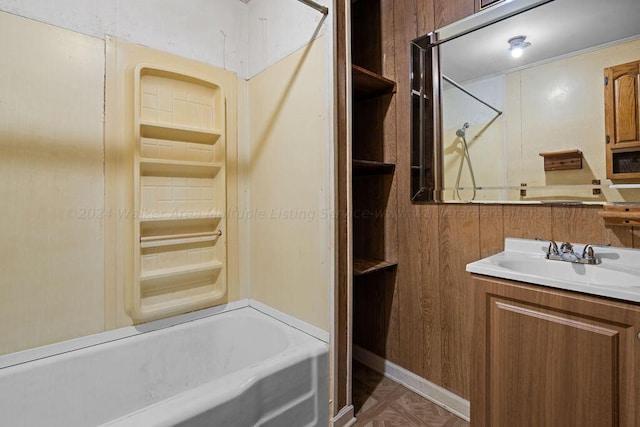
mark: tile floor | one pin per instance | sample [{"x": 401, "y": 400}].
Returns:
[{"x": 381, "y": 402}]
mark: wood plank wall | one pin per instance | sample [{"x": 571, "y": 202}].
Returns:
[{"x": 423, "y": 322}]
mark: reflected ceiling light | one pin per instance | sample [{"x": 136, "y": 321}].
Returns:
[{"x": 518, "y": 44}]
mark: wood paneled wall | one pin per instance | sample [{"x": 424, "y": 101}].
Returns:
[{"x": 422, "y": 321}]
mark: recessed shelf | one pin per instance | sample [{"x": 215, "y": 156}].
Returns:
[
  {"x": 180, "y": 216},
  {"x": 363, "y": 266},
  {"x": 368, "y": 167},
  {"x": 179, "y": 239},
  {"x": 178, "y": 133},
  {"x": 367, "y": 84},
  {"x": 162, "y": 167},
  {"x": 183, "y": 269}
]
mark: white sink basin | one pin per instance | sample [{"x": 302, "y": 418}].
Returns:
[{"x": 617, "y": 275}]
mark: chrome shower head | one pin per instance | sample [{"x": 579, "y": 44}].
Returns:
[{"x": 463, "y": 130}]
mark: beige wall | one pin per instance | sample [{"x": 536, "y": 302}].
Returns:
[
  {"x": 51, "y": 184},
  {"x": 288, "y": 225},
  {"x": 67, "y": 192}
]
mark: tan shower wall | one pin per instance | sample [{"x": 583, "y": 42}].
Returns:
[
  {"x": 288, "y": 228},
  {"x": 51, "y": 184}
]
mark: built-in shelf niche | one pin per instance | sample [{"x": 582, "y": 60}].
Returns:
[{"x": 179, "y": 192}]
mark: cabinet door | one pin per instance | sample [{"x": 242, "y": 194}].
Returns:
[
  {"x": 548, "y": 358},
  {"x": 621, "y": 104},
  {"x": 622, "y": 120}
]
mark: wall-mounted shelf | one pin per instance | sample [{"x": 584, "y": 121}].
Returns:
[
  {"x": 178, "y": 133},
  {"x": 363, "y": 266},
  {"x": 367, "y": 84},
  {"x": 180, "y": 168},
  {"x": 180, "y": 216},
  {"x": 183, "y": 269},
  {"x": 179, "y": 239},
  {"x": 179, "y": 194},
  {"x": 562, "y": 160},
  {"x": 368, "y": 167},
  {"x": 624, "y": 216}
]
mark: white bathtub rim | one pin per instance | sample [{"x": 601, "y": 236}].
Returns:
[
  {"x": 294, "y": 322},
  {"x": 195, "y": 401},
  {"x": 55, "y": 349},
  {"x": 46, "y": 351}
]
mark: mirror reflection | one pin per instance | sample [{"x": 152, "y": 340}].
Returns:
[{"x": 524, "y": 110}]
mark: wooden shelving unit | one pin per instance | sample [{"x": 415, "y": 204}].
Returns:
[{"x": 372, "y": 150}]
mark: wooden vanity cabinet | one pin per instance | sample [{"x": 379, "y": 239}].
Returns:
[
  {"x": 546, "y": 357},
  {"x": 622, "y": 120}
]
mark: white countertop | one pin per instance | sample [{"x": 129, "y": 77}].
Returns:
[{"x": 617, "y": 275}]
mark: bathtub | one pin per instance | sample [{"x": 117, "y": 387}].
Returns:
[{"x": 237, "y": 368}]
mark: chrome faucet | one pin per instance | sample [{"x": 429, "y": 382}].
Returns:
[{"x": 566, "y": 253}]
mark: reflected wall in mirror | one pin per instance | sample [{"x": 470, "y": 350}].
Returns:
[{"x": 532, "y": 127}]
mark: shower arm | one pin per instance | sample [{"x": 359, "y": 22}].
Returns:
[
  {"x": 470, "y": 94},
  {"x": 322, "y": 9}
]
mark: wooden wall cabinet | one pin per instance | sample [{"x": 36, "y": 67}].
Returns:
[
  {"x": 622, "y": 120},
  {"x": 546, "y": 357}
]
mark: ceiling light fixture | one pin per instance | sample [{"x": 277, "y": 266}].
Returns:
[{"x": 517, "y": 45}]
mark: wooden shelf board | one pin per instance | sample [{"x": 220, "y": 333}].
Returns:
[
  {"x": 624, "y": 216},
  {"x": 562, "y": 160},
  {"x": 363, "y": 266},
  {"x": 367, "y": 84},
  {"x": 368, "y": 167}
]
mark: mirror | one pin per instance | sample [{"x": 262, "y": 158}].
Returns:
[{"x": 488, "y": 126}]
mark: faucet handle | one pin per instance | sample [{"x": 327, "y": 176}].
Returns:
[
  {"x": 553, "y": 247},
  {"x": 566, "y": 247},
  {"x": 587, "y": 252}
]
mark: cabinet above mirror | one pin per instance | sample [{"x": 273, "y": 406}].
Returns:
[{"x": 500, "y": 93}]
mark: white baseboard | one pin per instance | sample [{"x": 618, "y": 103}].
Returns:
[
  {"x": 345, "y": 417},
  {"x": 291, "y": 321},
  {"x": 436, "y": 394}
]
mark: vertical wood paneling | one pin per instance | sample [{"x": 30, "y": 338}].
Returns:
[
  {"x": 527, "y": 222},
  {"x": 411, "y": 328},
  {"x": 448, "y": 11},
  {"x": 583, "y": 225},
  {"x": 459, "y": 245},
  {"x": 491, "y": 230},
  {"x": 390, "y": 156},
  {"x": 425, "y": 19},
  {"x": 431, "y": 310},
  {"x": 636, "y": 237}
]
